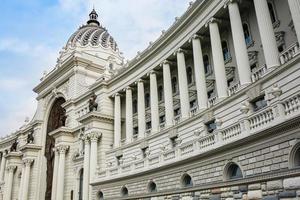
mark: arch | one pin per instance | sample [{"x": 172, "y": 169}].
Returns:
[
  {"x": 56, "y": 118},
  {"x": 294, "y": 156},
  {"x": 206, "y": 64},
  {"x": 160, "y": 93},
  {"x": 124, "y": 191},
  {"x": 225, "y": 49},
  {"x": 186, "y": 180},
  {"x": 189, "y": 73},
  {"x": 152, "y": 187},
  {"x": 174, "y": 84},
  {"x": 100, "y": 195},
  {"x": 247, "y": 35},
  {"x": 232, "y": 171},
  {"x": 272, "y": 11}
]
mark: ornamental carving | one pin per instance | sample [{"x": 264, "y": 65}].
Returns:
[
  {"x": 94, "y": 136},
  {"x": 28, "y": 161},
  {"x": 14, "y": 146},
  {"x": 30, "y": 137},
  {"x": 93, "y": 105},
  {"x": 62, "y": 149},
  {"x": 11, "y": 168}
]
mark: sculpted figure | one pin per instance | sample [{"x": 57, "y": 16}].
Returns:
[
  {"x": 13, "y": 147},
  {"x": 92, "y": 103},
  {"x": 30, "y": 138}
]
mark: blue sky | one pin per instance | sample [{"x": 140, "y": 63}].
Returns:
[{"x": 33, "y": 31}]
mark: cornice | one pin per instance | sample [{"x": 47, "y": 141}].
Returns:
[
  {"x": 97, "y": 116},
  {"x": 61, "y": 131}
]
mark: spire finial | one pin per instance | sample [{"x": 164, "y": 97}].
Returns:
[{"x": 93, "y": 18}]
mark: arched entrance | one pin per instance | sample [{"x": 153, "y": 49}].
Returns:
[{"x": 57, "y": 118}]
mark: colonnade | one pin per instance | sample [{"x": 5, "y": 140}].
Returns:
[{"x": 244, "y": 72}]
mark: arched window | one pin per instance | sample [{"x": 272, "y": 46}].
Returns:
[
  {"x": 206, "y": 64},
  {"x": 225, "y": 49},
  {"x": 272, "y": 12},
  {"x": 294, "y": 160},
  {"x": 100, "y": 195},
  {"x": 124, "y": 191},
  {"x": 174, "y": 84},
  {"x": 189, "y": 73},
  {"x": 186, "y": 180},
  {"x": 247, "y": 35},
  {"x": 80, "y": 184},
  {"x": 147, "y": 100},
  {"x": 233, "y": 171},
  {"x": 160, "y": 93},
  {"x": 152, "y": 186},
  {"x": 134, "y": 106}
]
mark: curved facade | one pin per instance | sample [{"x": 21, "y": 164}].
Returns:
[{"x": 210, "y": 110}]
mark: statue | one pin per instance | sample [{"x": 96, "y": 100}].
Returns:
[
  {"x": 30, "y": 138},
  {"x": 13, "y": 147},
  {"x": 92, "y": 103},
  {"x": 62, "y": 118}
]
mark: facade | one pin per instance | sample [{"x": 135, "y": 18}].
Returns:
[{"x": 210, "y": 110}]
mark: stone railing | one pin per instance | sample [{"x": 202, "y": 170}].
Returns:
[
  {"x": 259, "y": 73},
  {"x": 233, "y": 89},
  {"x": 212, "y": 101},
  {"x": 252, "y": 124},
  {"x": 194, "y": 110},
  {"x": 289, "y": 53},
  {"x": 177, "y": 119}
]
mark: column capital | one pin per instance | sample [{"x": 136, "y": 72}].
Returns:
[
  {"x": 117, "y": 94},
  {"x": 139, "y": 81},
  {"x": 180, "y": 50},
  {"x": 166, "y": 62},
  {"x": 196, "y": 37},
  {"x": 212, "y": 20},
  {"x": 127, "y": 88},
  {"x": 28, "y": 161},
  {"x": 229, "y": 2},
  {"x": 11, "y": 168},
  {"x": 62, "y": 149},
  {"x": 152, "y": 72},
  {"x": 94, "y": 136}
]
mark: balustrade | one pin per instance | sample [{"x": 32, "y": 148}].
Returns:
[
  {"x": 259, "y": 73},
  {"x": 262, "y": 118},
  {"x": 231, "y": 132},
  {"x": 233, "y": 89},
  {"x": 212, "y": 101},
  {"x": 292, "y": 105},
  {"x": 289, "y": 53}
]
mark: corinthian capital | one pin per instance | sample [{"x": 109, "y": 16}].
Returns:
[
  {"x": 62, "y": 149},
  {"x": 11, "y": 168},
  {"x": 94, "y": 136},
  {"x": 28, "y": 161}
]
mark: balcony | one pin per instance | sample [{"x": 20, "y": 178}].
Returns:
[
  {"x": 289, "y": 53},
  {"x": 259, "y": 73}
]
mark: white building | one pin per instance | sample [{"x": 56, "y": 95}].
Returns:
[{"x": 210, "y": 110}]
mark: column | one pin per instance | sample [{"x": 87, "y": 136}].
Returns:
[
  {"x": 141, "y": 108},
  {"x": 168, "y": 95},
  {"x": 21, "y": 188},
  {"x": 8, "y": 193},
  {"x": 295, "y": 11},
  {"x": 55, "y": 171},
  {"x": 267, "y": 34},
  {"x": 129, "y": 115},
  {"x": 218, "y": 60},
  {"x": 240, "y": 48},
  {"x": 94, "y": 137},
  {"x": 2, "y": 168},
  {"x": 86, "y": 168},
  {"x": 199, "y": 73},
  {"x": 27, "y": 163},
  {"x": 154, "y": 102},
  {"x": 117, "y": 125},
  {"x": 61, "y": 172},
  {"x": 183, "y": 85}
]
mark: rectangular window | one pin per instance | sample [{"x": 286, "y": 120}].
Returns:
[
  {"x": 259, "y": 103},
  {"x": 211, "y": 126}
]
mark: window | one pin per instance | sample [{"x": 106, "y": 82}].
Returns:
[
  {"x": 211, "y": 126},
  {"x": 294, "y": 157},
  {"x": 135, "y": 131},
  {"x": 193, "y": 104},
  {"x": 160, "y": 93},
  {"x": 229, "y": 82},
  {"x": 152, "y": 186},
  {"x": 297, "y": 158},
  {"x": 134, "y": 106},
  {"x": 225, "y": 49},
  {"x": 174, "y": 84},
  {"x": 186, "y": 180},
  {"x": 206, "y": 64},
  {"x": 148, "y": 125},
  {"x": 177, "y": 112},
  {"x": 247, "y": 35},
  {"x": 162, "y": 119},
  {"x": 210, "y": 94},
  {"x": 145, "y": 152},
  {"x": 259, "y": 103},
  {"x": 80, "y": 184},
  {"x": 189, "y": 73},
  {"x": 147, "y": 100},
  {"x": 272, "y": 12},
  {"x": 119, "y": 159},
  {"x": 233, "y": 171},
  {"x": 124, "y": 191},
  {"x": 174, "y": 141},
  {"x": 280, "y": 48},
  {"x": 100, "y": 195}
]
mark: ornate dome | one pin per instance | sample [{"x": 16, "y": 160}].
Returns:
[{"x": 92, "y": 34}]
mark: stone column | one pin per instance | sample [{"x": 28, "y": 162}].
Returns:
[
  {"x": 218, "y": 60},
  {"x": 27, "y": 162},
  {"x": 154, "y": 102},
  {"x": 141, "y": 109},
  {"x": 295, "y": 11},
  {"x": 55, "y": 171},
  {"x": 117, "y": 125},
  {"x": 94, "y": 137},
  {"x": 240, "y": 48},
  {"x": 86, "y": 168},
  {"x": 61, "y": 172},
  {"x": 199, "y": 73},
  {"x": 129, "y": 115},
  {"x": 21, "y": 188},
  {"x": 2, "y": 168},
  {"x": 168, "y": 96},
  {"x": 267, "y": 34},
  {"x": 8, "y": 193},
  {"x": 183, "y": 85}
]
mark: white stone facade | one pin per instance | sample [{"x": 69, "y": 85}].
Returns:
[{"x": 210, "y": 110}]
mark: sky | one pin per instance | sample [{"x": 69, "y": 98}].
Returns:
[{"x": 32, "y": 32}]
